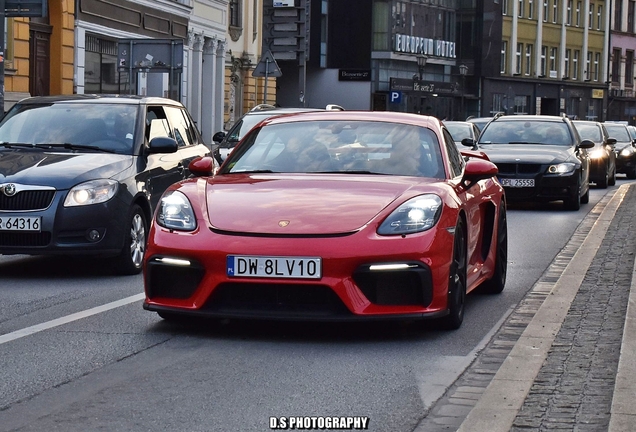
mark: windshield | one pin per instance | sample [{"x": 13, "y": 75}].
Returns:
[
  {"x": 110, "y": 127},
  {"x": 618, "y": 131},
  {"x": 526, "y": 132},
  {"x": 339, "y": 147},
  {"x": 459, "y": 131},
  {"x": 589, "y": 131}
]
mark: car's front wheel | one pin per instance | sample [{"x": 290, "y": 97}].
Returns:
[
  {"x": 496, "y": 284},
  {"x": 457, "y": 281},
  {"x": 574, "y": 203},
  {"x": 604, "y": 181},
  {"x": 131, "y": 258}
]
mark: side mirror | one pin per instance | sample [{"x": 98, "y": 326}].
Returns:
[
  {"x": 611, "y": 141},
  {"x": 586, "y": 144},
  {"x": 469, "y": 142},
  {"x": 478, "y": 169},
  {"x": 202, "y": 166},
  {"x": 162, "y": 145},
  {"x": 218, "y": 137}
]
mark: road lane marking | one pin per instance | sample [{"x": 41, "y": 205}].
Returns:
[{"x": 68, "y": 318}]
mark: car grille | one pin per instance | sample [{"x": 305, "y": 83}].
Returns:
[
  {"x": 521, "y": 168},
  {"x": 15, "y": 239},
  {"x": 262, "y": 299},
  {"x": 27, "y": 200}
]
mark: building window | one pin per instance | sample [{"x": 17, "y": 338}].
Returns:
[
  {"x": 504, "y": 47},
  {"x": 578, "y": 14},
  {"x": 599, "y": 18},
  {"x": 101, "y": 74},
  {"x": 497, "y": 102},
  {"x": 588, "y": 66},
  {"x": 528, "y": 59},
  {"x": 518, "y": 55},
  {"x": 530, "y": 9},
  {"x": 618, "y": 16},
  {"x": 521, "y": 104},
  {"x": 545, "y": 10},
  {"x": 544, "y": 54},
  {"x": 575, "y": 65},
  {"x": 381, "y": 26},
  {"x": 521, "y": 7},
  {"x": 597, "y": 61},
  {"x": 629, "y": 68},
  {"x": 553, "y": 62},
  {"x": 235, "y": 13},
  {"x": 616, "y": 64},
  {"x": 566, "y": 63},
  {"x": 555, "y": 11},
  {"x": 630, "y": 17},
  {"x": 569, "y": 15},
  {"x": 590, "y": 24},
  {"x": 504, "y": 7}
]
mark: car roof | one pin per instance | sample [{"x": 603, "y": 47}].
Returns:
[
  {"x": 529, "y": 117},
  {"x": 99, "y": 98},
  {"x": 375, "y": 116}
]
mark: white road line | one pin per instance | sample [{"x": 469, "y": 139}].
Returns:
[{"x": 69, "y": 318}]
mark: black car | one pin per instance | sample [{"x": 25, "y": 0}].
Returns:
[
  {"x": 82, "y": 174},
  {"x": 462, "y": 131},
  {"x": 539, "y": 157},
  {"x": 227, "y": 141},
  {"x": 625, "y": 149},
  {"x": 602, "y": 156}
]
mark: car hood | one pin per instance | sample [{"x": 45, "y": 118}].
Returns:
[
  {"x": 621, "y": 145},
  {"x": 304, "y": 204},
  {"x": 59, "y": 169},
  {"x": 527, "y": 153}
]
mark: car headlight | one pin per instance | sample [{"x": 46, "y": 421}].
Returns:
[
  {"x": 562, "y": 168},
  {"x": 597, "y": 154},
  {"x": 91, "y": 192},
  {"x": 626, "y": 151},
  {"x": 175, "y": 212},
  {"x": 416, "y": 215}
]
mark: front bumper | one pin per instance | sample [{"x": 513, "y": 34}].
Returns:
[
  {"x": 69, "y": 230},
  {"x": 546, "y": 188},
  {"x": 349, "y": 288}
]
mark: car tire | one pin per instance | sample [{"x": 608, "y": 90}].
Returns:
[
  {"x": 631, "y": 174},
  {"x": 457, "y": 281},
  {"x": 612, "y": 179},
  {"x": 496, "y": 284},
  {"x": 574, "y": 203},
  {"x": 603, "y": 182},
  {"x": 130, "y": 259},
  {"x": 586, "y": 196}
]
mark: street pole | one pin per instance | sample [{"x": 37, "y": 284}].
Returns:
[{"x": 463, "y": 70}]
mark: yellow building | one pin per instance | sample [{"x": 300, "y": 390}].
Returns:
[
  {"x": 39, "y": 53},
  {"x": 553, "y": 58}
]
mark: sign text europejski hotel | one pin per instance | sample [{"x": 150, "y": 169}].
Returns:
[{"x": 426, "y": 46}]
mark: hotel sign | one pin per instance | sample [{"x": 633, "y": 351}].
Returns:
[
  {"x": 419, "y": 45},
  {"x": 597, "y": 93}
]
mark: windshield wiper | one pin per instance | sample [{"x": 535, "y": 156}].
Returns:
[
  {"x": 70, "y": 146},
  {"x": 20, "y": 145}
]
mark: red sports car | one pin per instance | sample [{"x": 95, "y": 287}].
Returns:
[{"x": 331, "y": 216}]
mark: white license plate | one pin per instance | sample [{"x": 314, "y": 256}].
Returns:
[
  {"x": 517, "y": 182},
  {"x": 274, "y": 267},
  {"x": 20, "y": 223}
]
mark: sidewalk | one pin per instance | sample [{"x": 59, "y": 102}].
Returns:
[{"x": 565, "y": 359}]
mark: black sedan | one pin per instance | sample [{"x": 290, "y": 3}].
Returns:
[
  {"x": 540, "y": 158},
  {"x": 602, "y": 156},
  {"x": 82, "y": 174},
  {"x": 625, "y": 149}
]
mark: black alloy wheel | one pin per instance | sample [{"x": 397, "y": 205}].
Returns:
[
  {"x": 496, "y": 284},
  {"x": 574, "y": 202},
  {"x": 131, "y": 258},
  {"x": 457, "y": 281}
]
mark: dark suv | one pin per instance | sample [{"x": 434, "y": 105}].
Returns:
[
  {"x": 83, "y": 174},
  {"x": 540, "y": 158},
  {"x": 227, "y": 141}
]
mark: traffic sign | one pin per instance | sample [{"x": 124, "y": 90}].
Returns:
[
  {"x": 267, "y": 66},
  {"x": 395, "y": 97}
]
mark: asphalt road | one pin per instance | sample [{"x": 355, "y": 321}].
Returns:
[{"x": 78, "y": 353}]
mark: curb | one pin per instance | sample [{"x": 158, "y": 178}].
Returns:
[{"x": 504, "y": 396}]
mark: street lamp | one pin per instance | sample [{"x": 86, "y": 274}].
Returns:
[
  {"x": 421, "y": 62},
  {"x": 463, "y": 70}
]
